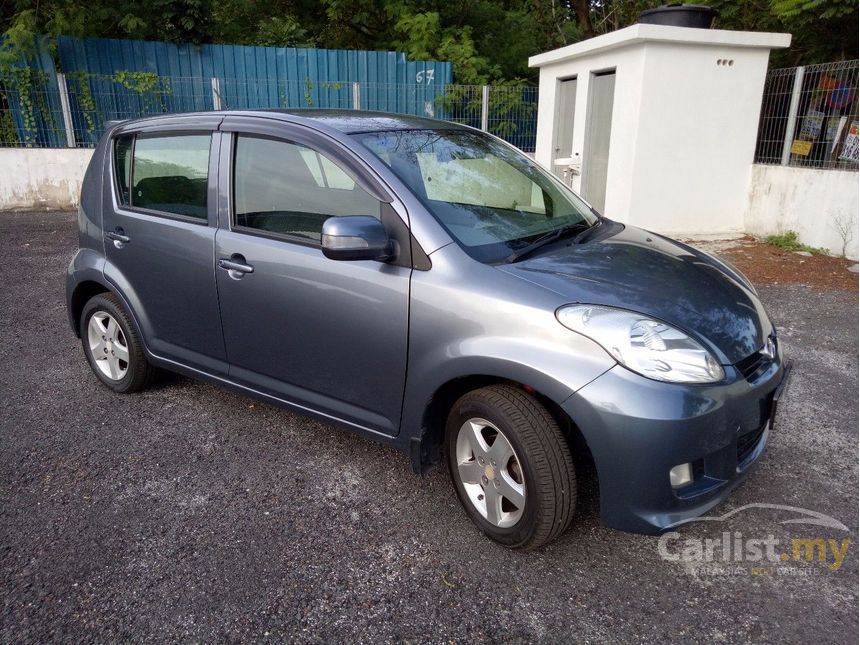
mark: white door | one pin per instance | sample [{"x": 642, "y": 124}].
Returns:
[
  {"x": 598, "y": 128},
  {"x": 565, "y": 106}
]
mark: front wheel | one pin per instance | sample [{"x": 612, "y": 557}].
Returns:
[{"x": 511, "y": 466}]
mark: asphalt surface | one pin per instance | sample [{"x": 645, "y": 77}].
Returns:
[{"x": 188, "y": 513}]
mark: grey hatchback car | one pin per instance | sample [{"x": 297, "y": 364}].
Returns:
[{"x": 427, "y": 285}]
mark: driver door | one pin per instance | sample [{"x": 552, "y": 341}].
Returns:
[{"x": 327, "y": 336}]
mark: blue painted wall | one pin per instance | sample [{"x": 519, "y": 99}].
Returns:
[{"x": 250, "y": 77}]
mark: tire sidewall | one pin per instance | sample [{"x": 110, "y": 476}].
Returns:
[
  {"x": 95, "y": 305},
  {"x": 469, "y": 408}
]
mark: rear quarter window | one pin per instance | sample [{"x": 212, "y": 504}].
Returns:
[{"x": 122, "y": 167}]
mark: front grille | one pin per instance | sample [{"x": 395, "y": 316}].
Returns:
[
  {"x": 752, "y": 365},
  {"x": 755, "y": 364},
  {"x": 747, "y": 443}
]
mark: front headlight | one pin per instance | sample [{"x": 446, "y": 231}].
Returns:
[{"x": 644, "y": 345}]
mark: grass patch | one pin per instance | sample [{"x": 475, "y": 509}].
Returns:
[{"x": 788, "y": 242}]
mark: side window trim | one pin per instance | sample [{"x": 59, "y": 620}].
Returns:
[
  {"x": 152, "y": 134},
  {"x": 303, "y": 135}
]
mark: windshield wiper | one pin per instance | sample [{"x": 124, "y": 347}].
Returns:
[{"x": 548, "y": 238}]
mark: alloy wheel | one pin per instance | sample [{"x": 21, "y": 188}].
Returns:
[
  {"x": 491, "y": 473},
  {"x": 108, "y": 345}
]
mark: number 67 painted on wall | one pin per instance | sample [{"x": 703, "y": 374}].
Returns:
[{"x": 420, "y": 77}]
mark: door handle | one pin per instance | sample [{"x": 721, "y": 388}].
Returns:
[
  {"x": 118, "y": 236},
  {"x": 235, "y": 265}
]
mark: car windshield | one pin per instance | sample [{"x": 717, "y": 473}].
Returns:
[{"x": 493, "y": 200}]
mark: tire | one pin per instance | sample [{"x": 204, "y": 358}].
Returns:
[
  {"x": 109, "y": 339},
  {"x": 541, "y": 460}
]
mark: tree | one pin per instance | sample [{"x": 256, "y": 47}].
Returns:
[
  {"x": 824, "y": 30},
  {"x": 486, "y": 40}
]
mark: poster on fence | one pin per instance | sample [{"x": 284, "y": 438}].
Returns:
[
  {"x": 802, "y": 148},
  {"x": 849, "y": 148},
  {"x": 811, "y": 127}
]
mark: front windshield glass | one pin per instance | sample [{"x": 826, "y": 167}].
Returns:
[{"x": 491, "y": 199}]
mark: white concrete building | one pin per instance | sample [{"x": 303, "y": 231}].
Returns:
[{"x": 656, "y": 125}]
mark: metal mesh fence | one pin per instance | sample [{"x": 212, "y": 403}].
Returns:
[
  {"x": 30, "y": 114},
  {"x": 809, "y": 117},
  {"x": 513, "y": 115},
  {"x": 38, "y": 109}
]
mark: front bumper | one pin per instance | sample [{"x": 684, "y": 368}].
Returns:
[{"x": 638, "y": 429}]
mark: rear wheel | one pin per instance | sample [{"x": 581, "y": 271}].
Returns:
[
  {"x": 112, "y": 346},
  {"x": 511, "y": 466}
]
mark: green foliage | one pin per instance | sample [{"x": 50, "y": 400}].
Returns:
[
  {"x": 816, "y": 9},
  {"x": 486, "y": 40},
  {"x": 79, "y": 85},
  {"x": 19, "y": 39},
  {"x": 181, "y": 21},
  {"x": 282, "y": 31},
  {"x": 789, "y": 241},
  {"x": 148, "y": 85},
  {"x": 822, "y": 30},
  {"x": 140, "y": 82},
  {"x": 422, "y": 37},
  {"x": 8, "y": 129},
  {"x": 308, "y": 96},
  {"x": 508, "y": 108},
  {"x": 25, "y": 88}
]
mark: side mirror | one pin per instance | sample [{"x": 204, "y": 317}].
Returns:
[{"x": 356, "y": 237}]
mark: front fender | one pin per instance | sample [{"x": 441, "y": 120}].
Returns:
[
  {"x": 542, "y": 365},
  {"x": 469, "y": 319}
]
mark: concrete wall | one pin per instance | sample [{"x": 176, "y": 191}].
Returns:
[
  {"x": 42, "y": 178},
  {"x": 696, "y": 138},
  {"x": 814, "y": 203}
]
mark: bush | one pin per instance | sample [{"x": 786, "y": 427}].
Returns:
[{"x": 789, "y": 241}]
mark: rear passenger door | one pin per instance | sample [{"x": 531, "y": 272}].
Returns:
[
  {"x": 160, "y": 218},
  {"x": 328, "y": 336}
]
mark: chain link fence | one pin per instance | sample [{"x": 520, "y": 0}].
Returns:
[
  {"x": 40, "y": 109},
  {"x": 809, "y": 117}
]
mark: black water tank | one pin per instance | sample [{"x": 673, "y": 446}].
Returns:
[{"x": 680, "y": 15}]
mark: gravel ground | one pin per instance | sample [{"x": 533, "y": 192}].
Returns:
[{"x": 189, "y": 513}]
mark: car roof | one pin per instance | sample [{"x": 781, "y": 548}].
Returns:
[
  {"x": 345, "y": 121},
  {"x": 352, "y": 121}
]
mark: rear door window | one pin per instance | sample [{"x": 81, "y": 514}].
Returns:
[{"x": 170, "y": 174}]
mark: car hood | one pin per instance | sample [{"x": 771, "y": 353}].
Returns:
[{"x": 627, "y": 267}]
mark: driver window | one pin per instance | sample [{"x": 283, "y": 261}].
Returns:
[{"x": 287, "y": 188}]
